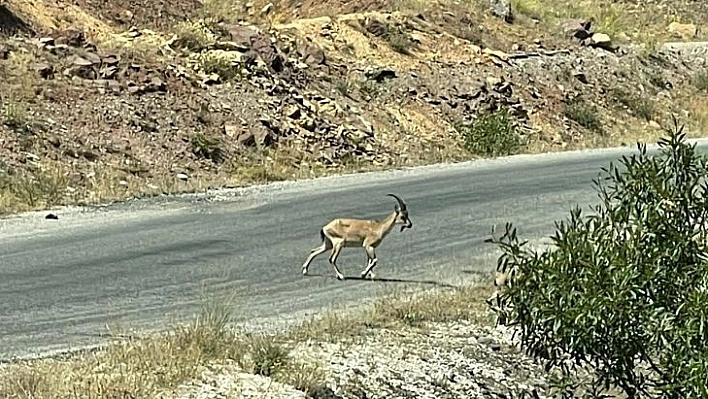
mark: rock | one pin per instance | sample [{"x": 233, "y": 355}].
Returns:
[
  {"x": 4, "y": 52},
  {"x": 72, "y": 37},
  {"x": 51, "y": 216},
  {"x": 111, "y": 60},
  {"x": 108, "y": 72},
  {"x": 182, "y": 176},
  {"x": 232, "y": 130},
  {"x": 581, "y": 77},
  {"x": 93, "y": 58},
  {"x": 251, "y": 138},
  {"x": 82, "y": 68},
  {"x": 502, "y": 9},
  {"x": 44, "y": 70},
  {"x": 293, "y": 112},
  {"x": 577, "y": 29},
  {"x": 46, "y": 41},
  {"x": 379, "y": 74},
  {"x": 684, "y": 31},
  {"x": 267, "y": 9},
  {"x": 242, "y": 36},
  {"x": 133, "y": 88},
  {"x": 156, "y": 84},
  {"x": 374, "y": 26},
  {"x": 269, "y": 53},
  {"x": 599, "y": 40},
  {"x": 313, "y": 55},
  {"x": 211, "y": 79},
  {"x": 60, "y": 50}
]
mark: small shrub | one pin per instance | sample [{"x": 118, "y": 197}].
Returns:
[
  {"x": 622, "y": 292},
  {"x": 369, "y": 87},
  {"x": 194, "y": 36},
  {"x": 39, "y": 187},
  {"x": 641, "y": 106},
  {"x": 220, "y": 64},
  {"x": 16, "y": 117},
  {"x": 306, "y": 377},
  {"x": 701, "y": 80},
  {"x": 208, "y": 147},
  {"x": 399, "y": 42},
  {"x": 531, "y": 8},
  {"x": 268, "y": 356},
  {"x": 586, "y": 115},
  {"x": 343, "y": 86},
  {"x": 492, "y": 134}
]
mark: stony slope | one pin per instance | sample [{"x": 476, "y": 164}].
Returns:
[{"x": 106, "y": 100}]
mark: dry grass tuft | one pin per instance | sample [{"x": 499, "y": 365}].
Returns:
[{"x": 400, "y": 308}]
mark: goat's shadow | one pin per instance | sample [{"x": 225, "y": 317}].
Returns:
[{"x": 384, "y": 280}]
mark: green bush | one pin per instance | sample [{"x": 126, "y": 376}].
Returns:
[
  {"x": 622, "y": 292},
  {"x": 207, "y": 146},
  {"x": 640, "y": 105},
  {"x": 492, "y": 134},
  {"x": 586, "y": 115}
]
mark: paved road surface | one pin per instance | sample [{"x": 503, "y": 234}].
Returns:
[{"x": 145, "y": 262}]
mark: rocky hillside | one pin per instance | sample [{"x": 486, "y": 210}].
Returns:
[{"x": 105, "y": 100}]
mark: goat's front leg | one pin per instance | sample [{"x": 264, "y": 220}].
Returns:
[{"x": 372, "y": 260}]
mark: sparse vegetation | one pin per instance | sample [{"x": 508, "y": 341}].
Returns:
[
  {"x": 701, "y": 80},
  {"x": 586, "y": 115},
  {"x": 639, "y": 105},
  {"x": 268, "y": 356},
  {"x": 399, "y": 42},
  {"x": 207, "y": 146},
  {"x": 369, "y": 87},
  {"x": 219, "y": 63},
  {"x": 129, "y": 366},
  {"x": 617, "y": 301},
  {"x": 492, "y": 134},
  {"x": 194, "y": 36},
  {"x": 15, "y": 116}
]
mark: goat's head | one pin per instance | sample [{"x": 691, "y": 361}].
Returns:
[{"x": 401, "y": 213}]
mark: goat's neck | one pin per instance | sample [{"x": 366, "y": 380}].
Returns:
[{"x": 387, "y": 224}]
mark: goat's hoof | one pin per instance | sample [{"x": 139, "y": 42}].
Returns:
[
  {"x": 340, "y": 277},
  {"x": 304, "y": 272}
]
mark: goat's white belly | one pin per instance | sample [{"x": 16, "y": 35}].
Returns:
[{"x": 354, "y": 243}]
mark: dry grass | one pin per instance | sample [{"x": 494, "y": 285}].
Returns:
[
  {"x": 155, "y": 365},
  {"x": 138, "y": 367},
  {"x": 621, "y": 20},
  {"x": 698, "y": 114},
  {"x": 395, "y": 309}
]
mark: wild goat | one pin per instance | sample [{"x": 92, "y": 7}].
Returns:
[{"x": 340, "y": 233}]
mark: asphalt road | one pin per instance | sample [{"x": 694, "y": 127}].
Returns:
[{"x": 146, "y": 263}]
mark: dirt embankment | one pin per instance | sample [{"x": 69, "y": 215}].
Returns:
[{"x": 107, "y": 100}]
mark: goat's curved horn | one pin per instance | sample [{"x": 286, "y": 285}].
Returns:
[{"x": 401, "y": 204}]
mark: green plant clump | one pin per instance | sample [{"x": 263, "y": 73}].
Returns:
[
  {"x": 492, "y": 134},
  {"x": 622, "y": 292}
]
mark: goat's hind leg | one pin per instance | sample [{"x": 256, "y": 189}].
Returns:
[
  {"x": 372, "y": 260},
  {"x": 326, "y": 245}
]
